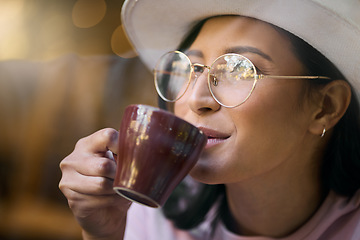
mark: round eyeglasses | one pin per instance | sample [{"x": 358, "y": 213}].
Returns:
[{"x": 231, "y": 77}]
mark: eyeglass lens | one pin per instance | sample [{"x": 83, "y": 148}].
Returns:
[{"x": 231, "y": 78}]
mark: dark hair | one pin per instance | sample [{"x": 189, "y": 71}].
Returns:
[{"x": 188, "y": 206}]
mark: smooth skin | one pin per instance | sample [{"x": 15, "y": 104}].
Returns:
[{"x": 267, "y": 152}]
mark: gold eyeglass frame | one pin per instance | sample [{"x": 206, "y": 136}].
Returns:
[{"x": 192, "y": 71}]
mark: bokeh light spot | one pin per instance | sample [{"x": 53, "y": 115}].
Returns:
[
  {"x": 13, "y": 42},
  {"x": 88, "y": 13},
  {"x": 120, "y": 44}
]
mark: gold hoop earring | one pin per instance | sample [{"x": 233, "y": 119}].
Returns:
[{"x": 323, "y": 133}]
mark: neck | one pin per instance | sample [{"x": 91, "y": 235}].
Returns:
[{"x": 275, "y": 204}]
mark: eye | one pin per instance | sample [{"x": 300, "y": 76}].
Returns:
[{"x": 214, "y": 80}]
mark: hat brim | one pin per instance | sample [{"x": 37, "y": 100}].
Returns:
[{"x": 332, "y": 26}]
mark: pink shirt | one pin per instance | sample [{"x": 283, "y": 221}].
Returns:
[{"x": 337, "y": 218}]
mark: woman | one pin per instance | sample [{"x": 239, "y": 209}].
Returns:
[{"x": 281, "y": 116}]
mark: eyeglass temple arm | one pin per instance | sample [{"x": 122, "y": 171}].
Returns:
[{"x": 261, "y": 76}]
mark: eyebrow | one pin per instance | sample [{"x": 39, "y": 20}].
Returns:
[
  {"x": 248, "y": 49},
  {"x": 196, "y": 53},
  {"x": 238, "y": 50}
]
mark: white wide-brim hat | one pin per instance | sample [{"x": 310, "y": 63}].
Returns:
[{"x": 155, "y": 27}]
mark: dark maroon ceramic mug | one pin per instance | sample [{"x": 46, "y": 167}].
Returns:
[{"x": 156, "y": 151}]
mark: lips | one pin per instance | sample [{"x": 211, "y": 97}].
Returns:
[{"x": 214, "y": 137}]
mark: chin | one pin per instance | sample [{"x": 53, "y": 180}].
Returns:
[{"x": 205, "y": 175}]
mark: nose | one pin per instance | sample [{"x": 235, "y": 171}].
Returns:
[{"x": 200, "y": 100}]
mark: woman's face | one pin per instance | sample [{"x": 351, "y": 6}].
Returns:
[{"x": 267, "y": 132}]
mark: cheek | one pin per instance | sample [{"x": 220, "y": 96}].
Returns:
[
  {"x": 269, "y": 129},
  {"x": 180, "y": 108},
  {"x": 275, "y": 109}
]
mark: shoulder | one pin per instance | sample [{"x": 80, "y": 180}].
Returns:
[
  {"x": 338, "y": 218},
  {"x": 344, "y": 206},
  {"x": 150, "y": 224},
  {"x": 143, "y": 222}
]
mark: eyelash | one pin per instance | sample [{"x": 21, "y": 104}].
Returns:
[{"x": 258, "y": 70}]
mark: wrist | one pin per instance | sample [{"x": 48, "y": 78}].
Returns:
[
  {"x": 112, "y": 230},
  {"x": 118, "y": 234}
]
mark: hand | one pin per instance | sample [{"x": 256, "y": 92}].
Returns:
[{"x": 87, "y": 179}]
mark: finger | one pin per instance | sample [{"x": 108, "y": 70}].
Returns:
[
  {"x": 88, "y": 165},
  {"x": 96, "y": 186},
  {"x": 98, "y": 167},
  {"x": 80, "y": 202},
  {"x": 92, "y": 175},
  {"x": 100, "y": 141}
]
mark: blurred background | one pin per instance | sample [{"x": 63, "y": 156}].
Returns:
[{"x": 66, "y": 70}]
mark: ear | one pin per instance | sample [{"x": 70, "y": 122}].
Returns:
[{"x": 333, "y": 103}]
